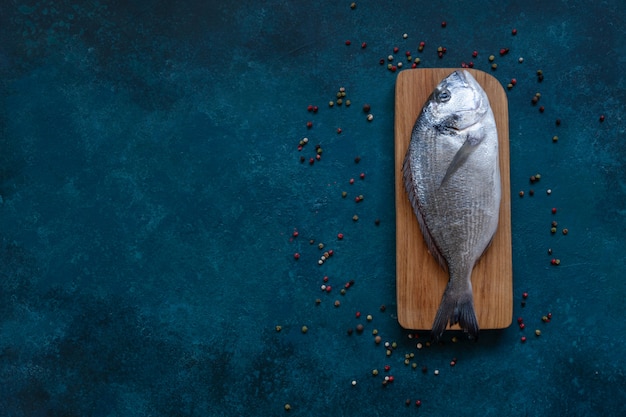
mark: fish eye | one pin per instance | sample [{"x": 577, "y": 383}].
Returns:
[{"x": 444, "y": 95}]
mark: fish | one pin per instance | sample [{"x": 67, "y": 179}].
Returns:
[{"x": 452, "y": 177}]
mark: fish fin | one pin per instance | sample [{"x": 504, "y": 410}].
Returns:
[
  {"x": 455, "y": 309},
  {"x": 488, "y": 245},
  {"x": 461, "y": 156},
  {"x": 410, "y": 188}
]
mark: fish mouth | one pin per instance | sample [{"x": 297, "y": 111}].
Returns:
[
  {"x": 465, "y": 80},
  {"x": 462, "y": 77}
]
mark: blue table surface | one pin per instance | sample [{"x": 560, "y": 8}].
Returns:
[{"x": 151, "y": 185}]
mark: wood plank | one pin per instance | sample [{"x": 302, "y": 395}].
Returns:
[{"x": 420, "y": 281}]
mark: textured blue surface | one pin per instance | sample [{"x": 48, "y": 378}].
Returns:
[{"x": 151, "y": 185}]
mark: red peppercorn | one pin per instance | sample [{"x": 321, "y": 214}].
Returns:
[
  {"x": 549, "y": 315},
  {"x": 340, "y": 236},
  {"x": 363, "y": 45},
  {"x": 525, "y": 295},
  {"x": 325, "y": 279},
  {"x": 443, "y": 24},
  {"x": 514, "y": 32},
  {"x": 315, "y": 109},
  {"x": 602, "y": 118},
  {"x": 387, "y": 368},
  {"x": 523, "y": 339},
  {"x": 475, "y": 54},
  {"x": 309, "y": 124},
  {"x": 553, "y": 210},
  {"x": 311, "y": 161},
  {"x": 358, "y": 314},
  {"x": 381, "y": 61},
  {"x": 471, "y": 64},
  {"x": 513, "y": 81},
  {"x": 395, "y": 49},
  {"x": 351, "y": 180},
  {"x": 296, "y": 255},
  {"x": 418, "y": 403},
  {"x": 422, "y": 44},
  {"x": 339, "y": 130},
  {"x": 520, "y": 320},
  {"x": 362, "y": 176},
  {"x": 522, "y": 326},
  {"x": 541, "y": 109},
  {"x": 295, "y": 233},
  {"x": 348, "y": 42},
  {"x": 310, "y": 107},
  {"x": 407, "y": 53}
]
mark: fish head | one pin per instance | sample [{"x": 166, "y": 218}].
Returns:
[{"x": 458, "y": 102}]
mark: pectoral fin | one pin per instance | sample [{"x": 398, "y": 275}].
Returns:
[{"x": 461, "y": 156}]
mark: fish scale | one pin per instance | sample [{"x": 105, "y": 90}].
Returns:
[{"x": 452, "y": 178}]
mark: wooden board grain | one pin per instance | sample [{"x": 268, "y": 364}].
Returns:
[{"x": 420, "y": 281}]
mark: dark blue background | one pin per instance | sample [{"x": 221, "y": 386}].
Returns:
[{"x": 151, "y": 183}]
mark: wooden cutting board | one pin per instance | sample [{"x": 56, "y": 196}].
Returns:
[{"x": 420, "y": 281}]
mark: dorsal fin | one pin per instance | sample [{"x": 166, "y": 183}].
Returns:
[{"x": 410, "y": 188}]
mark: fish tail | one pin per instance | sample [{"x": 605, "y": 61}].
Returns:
[{"x": 456, "y": 307}]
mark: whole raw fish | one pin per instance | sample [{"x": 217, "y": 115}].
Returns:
[{"x": 452, "y": 177}]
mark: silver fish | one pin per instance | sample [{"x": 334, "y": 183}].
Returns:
[{"x": 452, "y": 177}]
